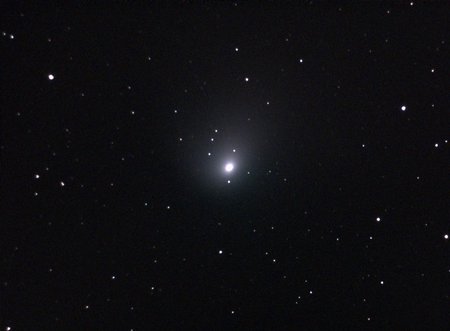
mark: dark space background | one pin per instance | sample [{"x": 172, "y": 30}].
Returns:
[{"x": 336, "y": 216}]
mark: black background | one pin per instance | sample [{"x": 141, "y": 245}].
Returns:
[{"x": 132, "y": 240}]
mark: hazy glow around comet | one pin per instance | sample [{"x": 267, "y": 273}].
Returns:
[{"x": 229, "y": 167}]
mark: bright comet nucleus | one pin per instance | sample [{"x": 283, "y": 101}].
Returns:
[{"x": 229, "y": 167}]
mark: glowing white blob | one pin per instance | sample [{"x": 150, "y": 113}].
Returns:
[{"x": 229, "y": 167}]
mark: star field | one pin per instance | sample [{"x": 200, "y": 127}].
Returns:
[{"x": 225, "y": 166}]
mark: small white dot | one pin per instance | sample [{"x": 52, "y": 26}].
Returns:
[
  {"x": 212, "y": 139},
  {"x": 175, "y": 111},
  {"x": 220, "y": 252},
  {"x": 168, "y": 207},
  {"x": 36, "y": 176},
  {"x": 436, "y": 145},
  {"x": 11, "y": 36},
  {"x": 310, "y": 292},
  {"x": 180, "y": 139},
  {"x": 363, "y": 145},
  {"x": 234, "y": 151},
  {"x": 267, "y": 103},
  {"x": 446, "y": 236},
  {"x": 86, "y": 307},
  {"x": 113, "y": 277},
  {"x": 300, "y": 60},
  {"x": 378, "y": 219},
  {"x": 51, "y": 77},
  {"x": 209, "y": 154},
  {"x": 236, "y": 49},
  {"x": 403, "y": 108},
  {"x": 382, "y": 283},
  {"x": 432, "y": 70},
  {"x": 62, "y": 183},
  {"x": 232, "y": 312},
  {"x": 246, "y": 79},
  {"x": 228, "y": 181},
  {"x": 216, "y": 130}
]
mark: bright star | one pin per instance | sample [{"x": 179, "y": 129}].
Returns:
[{"x": 229, "y": 167}]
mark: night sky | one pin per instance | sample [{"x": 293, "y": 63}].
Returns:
[{"x": 225, "y": 166}]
